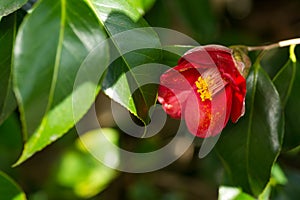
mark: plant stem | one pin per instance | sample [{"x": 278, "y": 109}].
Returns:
[{"x": 283, "y": 43}]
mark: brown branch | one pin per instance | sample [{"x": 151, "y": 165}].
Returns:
[{"x": 283, "y": 43}]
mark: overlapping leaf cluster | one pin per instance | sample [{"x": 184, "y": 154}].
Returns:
[{"x": 42, "y": 59}]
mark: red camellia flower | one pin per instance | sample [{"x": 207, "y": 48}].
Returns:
[{"x": 206, "y": 88}]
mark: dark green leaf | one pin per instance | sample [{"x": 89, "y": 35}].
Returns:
[
  {"x": 284, "y": 79},
  {"x": 292, "y": 109},
  {"x": 171, "y": 54},
  {"x": 198, "y": 16},
  {"x": 273, "y": 60},
  {"x": 249, "y": 148},
  {"x": 7, "y": 37},
  {"x": 9, "y": 6},
  {"x": 9, "y": 190},
  {"x": 11, "y": 142},
  {"x": 132, "y": 48},
  {"x": 50, "y": 47}
]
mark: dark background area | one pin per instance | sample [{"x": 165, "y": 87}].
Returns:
[{"x": 230, "y": 22}]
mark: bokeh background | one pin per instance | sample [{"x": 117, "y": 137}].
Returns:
[{"x": 64, "y": 170}]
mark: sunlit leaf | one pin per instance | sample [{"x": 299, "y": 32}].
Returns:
[
  {"x": 61, "y": 35},
  {"x": 9, "y": 6},
  {"x": 141, "y": 5},
  {"x": 50, "y": 47},
  {"x": 9, "y": 190},
  {"x": 83, "y": 173},
  {"x": 278, "y": 175},
  {"x": 7, "y": 37},
  {"x": 261, "y": 130},
  {"x": 134, "y": 47},
  {"x": 231, "y": 193}
]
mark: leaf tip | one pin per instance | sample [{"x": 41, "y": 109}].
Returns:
[{"x": 292, "y": 53}]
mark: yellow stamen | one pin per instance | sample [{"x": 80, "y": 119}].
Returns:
[{"x": 202, "y": 86}]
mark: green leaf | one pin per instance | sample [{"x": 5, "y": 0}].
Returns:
[
  {"x": 171, "y": 54},
  {"x": 133, "y": 48},
  {"x": 249, "y": 148},
  {"x": 51, "y": 45},
  {"x": 292, "y": 108},
  {"x": 198, "y": 17},
  {"x": 9, "y": 6},
  {"x": 141, "y": 5},
  {"x": 7, "y": 37},
  {"x": 277, "y": 177},
  {"x": 9, "y": 190},
  {"x": 273, "y": 60},
  {"x": 78, "y": 168},
  {"x": 284, "y": 79},
  {"x": 265, "y": 195},
  {"x": 291, "y": 190},
  {"x": 11, "y": 142},
  {"x": 232, "y": 193}
]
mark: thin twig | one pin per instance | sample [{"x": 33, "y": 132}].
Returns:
[{"x": 283, "y": 43}]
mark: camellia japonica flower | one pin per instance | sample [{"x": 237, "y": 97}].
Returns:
[{"x": 206, "y": 88}]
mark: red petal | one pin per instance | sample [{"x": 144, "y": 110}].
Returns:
[
  {"x": 169, "y": 102},
  {"x": 208, "y": 118},
  {"x": 238, "y": 106},
  {"x": 179, "y": 77},
  {"x": 207, "y": 56},
  {"x": 175, "y": 87},
  {"x": 238, "y": 98},
  {"x": 197, "y": 115}
]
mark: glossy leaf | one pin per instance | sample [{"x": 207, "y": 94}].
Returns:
[
  {"x": 273, "y": 60},
  {"x": 9, "y": 6},
  {"x": 50, "y": 47},
  {"x": 132, "y": 48},
  {"x": 284, "y": 79},
  {"x": 142, "y": 5},
  {"x": 9, "y": 190},
  {"x": 292, "y": 108},
  {"x": 7, "y": 37},
  {"x": 277, "y": 177},
  {"x": 249, "y": 148}
]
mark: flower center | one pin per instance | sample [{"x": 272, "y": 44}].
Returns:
[{"x": 202, "y": 86}]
